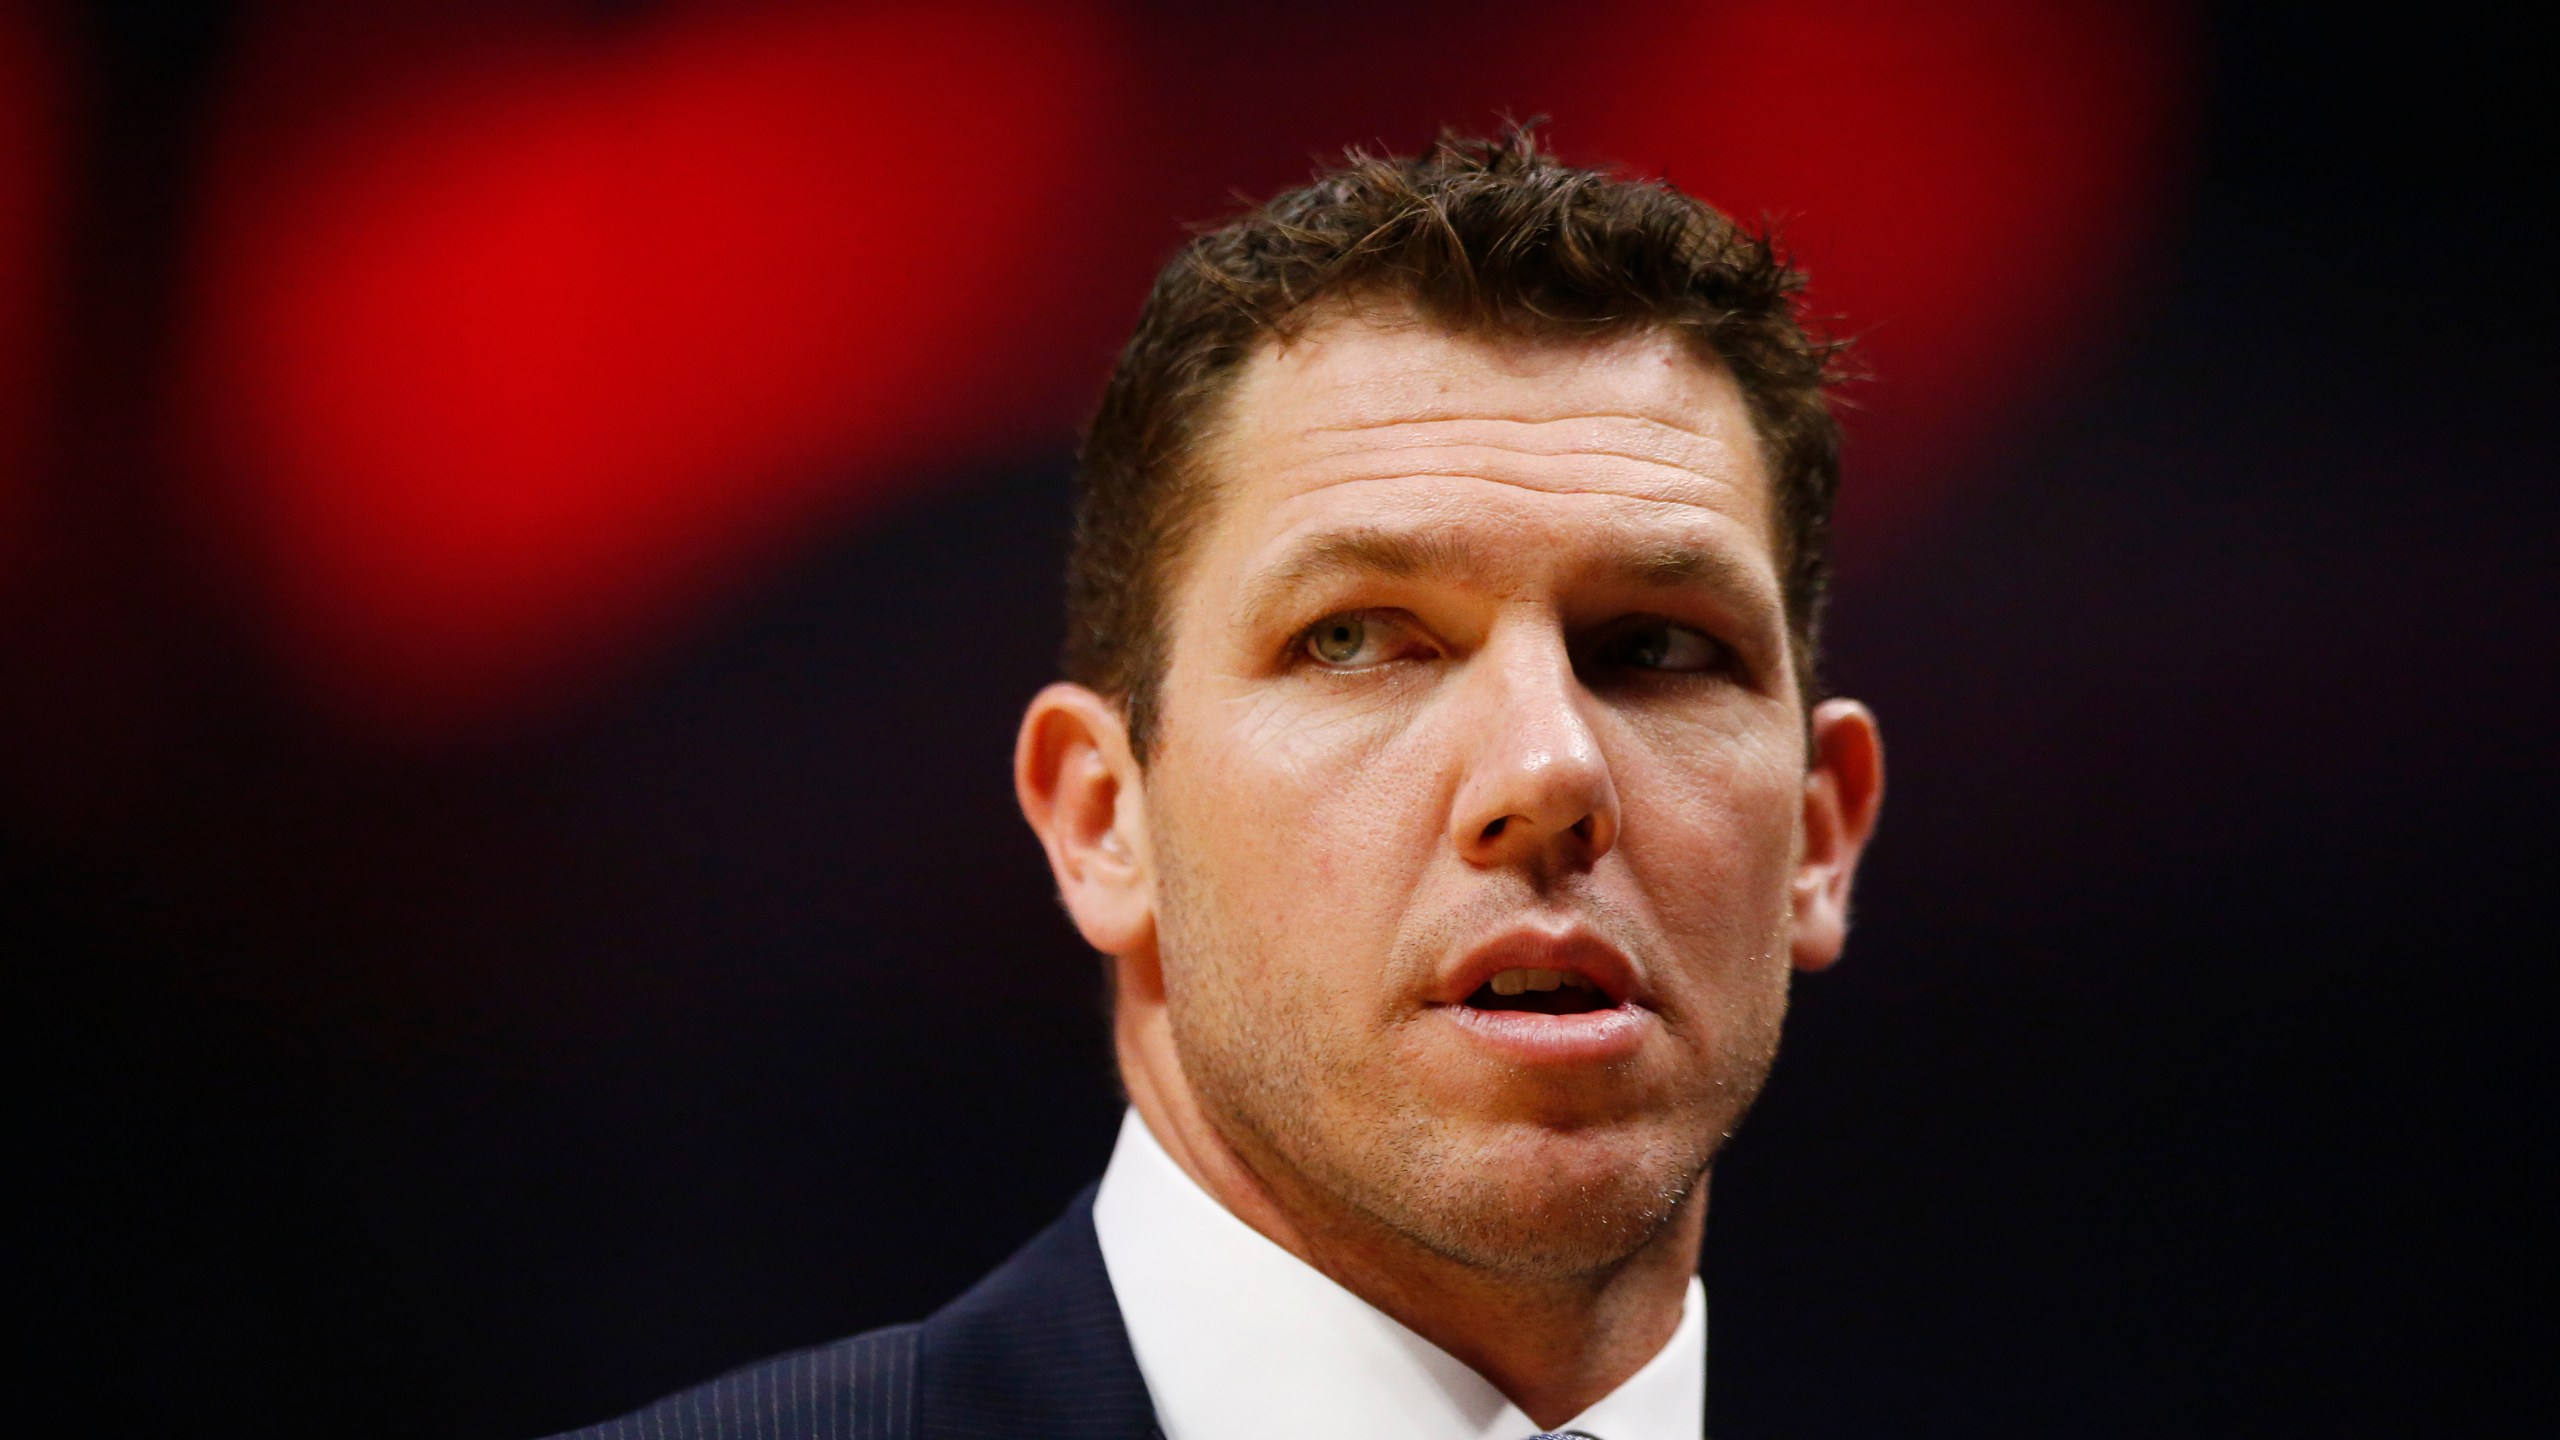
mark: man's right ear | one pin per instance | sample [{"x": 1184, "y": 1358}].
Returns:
[{"x": 1080, "y": 788}]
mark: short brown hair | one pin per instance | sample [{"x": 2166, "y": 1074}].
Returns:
[{"x": 1479, "y": 236}]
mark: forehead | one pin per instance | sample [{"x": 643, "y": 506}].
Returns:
[{"x": 1367, "y": 413}]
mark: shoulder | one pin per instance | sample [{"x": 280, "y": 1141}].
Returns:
[
  {"x": 1034, "y": 1351},
  {"x": 862, "y": 1388}
]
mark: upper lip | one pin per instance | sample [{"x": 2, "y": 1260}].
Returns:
[{"x": 1573, "y": 948}]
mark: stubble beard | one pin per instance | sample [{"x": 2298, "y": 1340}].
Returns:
[{"x": 1313, "y": 1108}]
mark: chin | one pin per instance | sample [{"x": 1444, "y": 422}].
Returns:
[{"x": 1531, "y": 1199}]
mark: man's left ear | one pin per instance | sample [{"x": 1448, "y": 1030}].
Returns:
[{"x": 1843, "y": 788}]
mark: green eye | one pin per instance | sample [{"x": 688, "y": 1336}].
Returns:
[{"x": 1340, "y": 640}]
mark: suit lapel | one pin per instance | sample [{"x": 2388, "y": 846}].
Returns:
[{"x": 1036, "y": 1349}]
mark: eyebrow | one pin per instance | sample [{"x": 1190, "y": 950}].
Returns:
[{"x": 1438, "y": 555}]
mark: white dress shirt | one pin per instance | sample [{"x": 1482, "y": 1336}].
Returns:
[{"x": 1240, "y": 1340}]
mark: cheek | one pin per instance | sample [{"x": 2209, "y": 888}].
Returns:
[
  {"x": 1311, "y": 821},
  {"x": 1709, "y": 838},
  {"x": 1709, "y": 818}
]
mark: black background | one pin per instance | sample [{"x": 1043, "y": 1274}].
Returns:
[{"x": 2178, "y": 1079}]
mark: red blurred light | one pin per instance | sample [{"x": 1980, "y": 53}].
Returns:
[
  {"x": 509, "y": 370},
  {"x": 30, "y": 146},
  {"x": 1965, "y": 183}
]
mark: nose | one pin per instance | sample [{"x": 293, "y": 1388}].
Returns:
[{"x": 1536, "y": 790}]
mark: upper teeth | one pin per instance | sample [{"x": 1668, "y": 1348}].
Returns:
[{"x": 1512, "y": 982}]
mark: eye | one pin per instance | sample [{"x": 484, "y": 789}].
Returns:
[
  {"x": 1661, "y": 645},
  {"x": 1347, "y": 641}
]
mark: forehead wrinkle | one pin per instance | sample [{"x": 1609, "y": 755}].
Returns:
[
  {"x": 1651, "y": 481},
  {"x": 1306, "y": 427},
  {"x": 1541, "y": 425},
  {"x": 1639, "y": 438},
  {"x": 1649, "y": 457},
  {"x": 1442, "y": 552}
]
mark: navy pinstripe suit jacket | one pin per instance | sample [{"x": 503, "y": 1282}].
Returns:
[{"x": 1037, "y": 1349}]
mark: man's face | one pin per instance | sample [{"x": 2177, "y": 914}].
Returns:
[{"x": 1479, "y": 677}]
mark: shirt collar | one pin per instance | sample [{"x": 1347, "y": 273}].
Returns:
[{"x": 1240, "y": 1340}]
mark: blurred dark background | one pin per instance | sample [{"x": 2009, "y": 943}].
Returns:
[{"x": 524, "y": 530}]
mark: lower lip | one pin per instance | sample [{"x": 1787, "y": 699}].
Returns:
[{"x": 1594, "y": 1037}]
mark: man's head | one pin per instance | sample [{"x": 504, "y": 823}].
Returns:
[
  {"x": 1488, "y": 238},
  {"x": 1439, "y": 770}
]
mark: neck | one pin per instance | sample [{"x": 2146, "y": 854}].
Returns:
[{"x": 1554, "y": 1344}]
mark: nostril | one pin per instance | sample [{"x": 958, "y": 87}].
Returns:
[
  {"x": 1582, "y": 829},
  {"x": 1494, "y": 830}
]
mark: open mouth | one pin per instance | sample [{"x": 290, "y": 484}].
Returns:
[{"x": 1540, "y": 992}]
